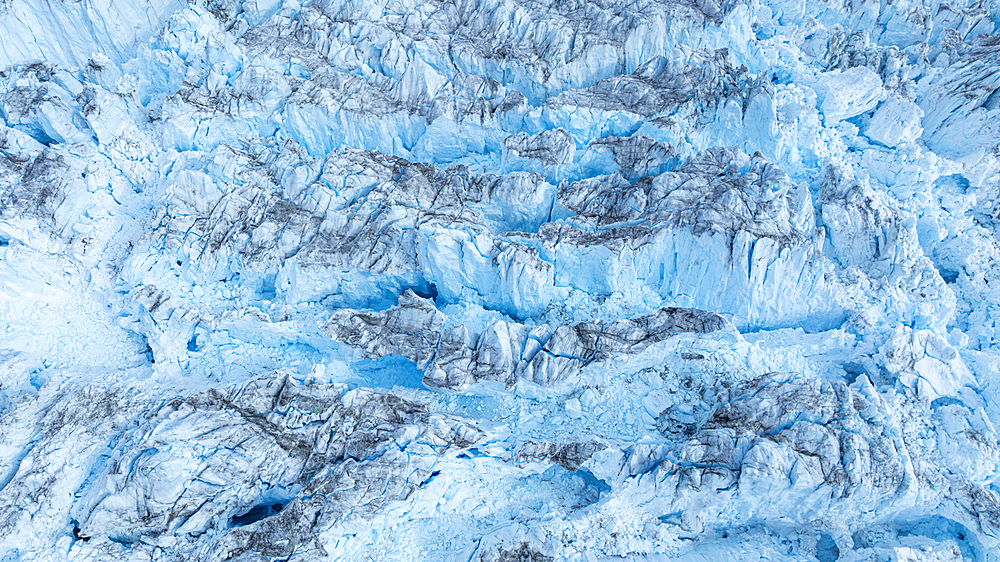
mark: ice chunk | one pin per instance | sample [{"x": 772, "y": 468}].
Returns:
[
  {"x": 849, "y": 93},
  {"x": 897, "y": 121}
]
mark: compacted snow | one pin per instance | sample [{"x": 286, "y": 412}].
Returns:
[{"x": 499, "y": 280}]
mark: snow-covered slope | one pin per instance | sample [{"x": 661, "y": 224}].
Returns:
[{"x": 499, "y": 280}]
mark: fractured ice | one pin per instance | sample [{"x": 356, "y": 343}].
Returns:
[{"x": 499, "y": 280}]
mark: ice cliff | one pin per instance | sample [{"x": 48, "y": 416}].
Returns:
[{"x": 499, "y": 280}]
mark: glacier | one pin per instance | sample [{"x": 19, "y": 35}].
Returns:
[{"x": 499, "y": 280}]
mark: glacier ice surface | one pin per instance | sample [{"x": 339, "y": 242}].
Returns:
[{"x": 499, "y": 280}]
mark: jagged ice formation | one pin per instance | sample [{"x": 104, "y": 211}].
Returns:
[{"x": 499, "y": 280}]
